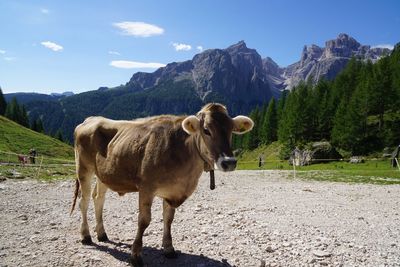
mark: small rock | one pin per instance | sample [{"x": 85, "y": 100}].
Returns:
[
  {"x": 54, "y": 238},
  {"x": 23, "y": 217},
  {"x": 95, "y": 258},
  {"x": 321, "y": 254},
  {"x": 262, "y": 263},
  {"x": 270, "y": 249}
]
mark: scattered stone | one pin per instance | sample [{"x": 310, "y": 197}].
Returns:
[
  {"x": 270, "y": 249},
  {"x": 308, "y": 190},
  {"x": 321, "y": 254},
  {"x": 23, "y": 217},
  {"x": 95, "y": 258}
]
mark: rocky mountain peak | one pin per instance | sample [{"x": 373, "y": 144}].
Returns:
[
  {"x": 316, "y": 62},
  {"x": 343, "y": 46},
  {"x": 238, "y": 47},
  {"x": 310, "y": 52}
]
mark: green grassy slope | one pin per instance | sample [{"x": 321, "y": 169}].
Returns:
[{"x": 18, "y": 139}]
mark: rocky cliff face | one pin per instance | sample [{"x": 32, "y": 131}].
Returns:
[
  {"x": 316, "y": 62},
  {"x": 237, "y": 73}
]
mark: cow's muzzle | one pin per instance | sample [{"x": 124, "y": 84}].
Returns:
[{"x": 226, "y": 164}]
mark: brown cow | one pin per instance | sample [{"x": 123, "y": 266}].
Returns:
[{"x": 161, "y": 156}]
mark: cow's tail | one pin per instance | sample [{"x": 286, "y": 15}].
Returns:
[{"x": 75, "y": 196}]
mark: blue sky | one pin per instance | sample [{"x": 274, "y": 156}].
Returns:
[{"x": 57, "y": 45}]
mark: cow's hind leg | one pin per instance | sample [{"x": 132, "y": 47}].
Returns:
[
  {"x": 85, "y": 179},
  {"x": 168, "y": 217},
  {"x": 99, "y": 193},
  {"x": 145, "y": 202}
]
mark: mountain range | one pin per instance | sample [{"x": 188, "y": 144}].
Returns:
[{"x": 236, "y": 76}]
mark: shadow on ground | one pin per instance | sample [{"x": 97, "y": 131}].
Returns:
[{"x": 154, "y": 257}]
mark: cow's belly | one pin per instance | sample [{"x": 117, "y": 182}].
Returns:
[
  {"x": 116, "y": 176},
  {"x": 118, "y": 181},
  {"x": 176, "y": 192},
  {"x": 121, "y": 187}
]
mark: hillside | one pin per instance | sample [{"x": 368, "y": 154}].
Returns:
[{"x": 18, "y": 139}]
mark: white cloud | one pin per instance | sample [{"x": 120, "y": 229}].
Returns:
[
  {"x": 388, "y": 46},
  {"x": 138, "y": 29},
  {"x": 53, "y": 46},
  {"x": 182, "y": 47},
  {"x": 125, "y": 64},
  {"x": 2, "y": 51},
  {"x": 44, "y": 10},
  {"x": 200, "y": 48},
  {"x": 114, "y": 53}
]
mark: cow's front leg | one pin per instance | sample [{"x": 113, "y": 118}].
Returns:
[
  {"x": 145, "y": 201},
  {"x": 168, "y": 217}
]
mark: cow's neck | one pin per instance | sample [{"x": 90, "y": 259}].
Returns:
[
  {"x": 208, "y": 164},
  {"x": 198, "y": 147}
]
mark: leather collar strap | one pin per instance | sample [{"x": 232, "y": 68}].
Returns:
[{"x": 207, "y": 167}]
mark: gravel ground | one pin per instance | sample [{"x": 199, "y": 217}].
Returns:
[{"x": 253, "y": 218}]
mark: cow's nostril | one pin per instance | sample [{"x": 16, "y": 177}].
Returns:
[
  {"x": 228, "y": 164},
  {"x": 224, "y": 165}
]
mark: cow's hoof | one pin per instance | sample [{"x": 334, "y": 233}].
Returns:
[
  {"x": 103, "y": 238},
  {"x": 87, "y": 240},
  {"x": 170, "y": 253},
  {"x": 136, "y": 261}
]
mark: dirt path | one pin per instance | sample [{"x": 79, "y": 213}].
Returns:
[{"x": 251, "y": 219}]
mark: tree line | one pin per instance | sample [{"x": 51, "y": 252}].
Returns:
[
  {"x": 18, "y": 113},
  {"x": 358, "y": 111}
]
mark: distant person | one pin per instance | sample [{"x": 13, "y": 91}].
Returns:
[
  {"x": 261, "y": 161},
  {"x": 32, "y": 155}
]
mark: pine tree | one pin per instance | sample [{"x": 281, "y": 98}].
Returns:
[
  {"x": 39, "y": 125},
  {"x": 3, "y": 103},
  {"x": 339, "y": 133},
  {"x": 281, "y": 104},
  {"x": 59, "y": 135},
  {"x": 385, "y": 93},
  {"x": 23, "y": 120},
  {"x": 321, "y": 114},
  {"x": 350, "y": 130},
  {"x": 395, "y": 69},
  {"x": 269, "y": 126},
  {"x": 34, "y": 125},
  {"x": 251, "y": 140},
  {"x": 13, "y": 111}
]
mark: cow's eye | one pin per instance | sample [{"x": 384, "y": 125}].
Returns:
[{"x": 206, "y": 131}]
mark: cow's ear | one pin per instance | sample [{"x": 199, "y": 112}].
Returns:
[
  {"x": 242, "y": 124},
  {"x": 191, "y": 124}
]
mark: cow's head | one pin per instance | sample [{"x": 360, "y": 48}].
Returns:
[{"x": 213, "y": 130}]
